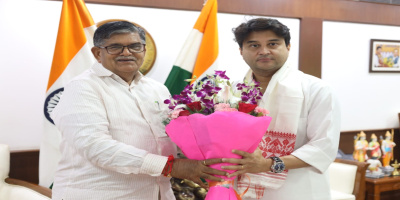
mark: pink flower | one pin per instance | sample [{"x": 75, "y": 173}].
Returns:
[
  {"x": 229, "y": 109},
  {"x": 261, "y": 110},
  {"x": 224, "y": 107},
  {"x": 175, "y": 113},
  {"x": 221, "y": 106}
]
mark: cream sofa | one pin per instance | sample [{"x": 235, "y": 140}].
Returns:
[
  {"x": 13, "y": 189},
  {"x": 347, "y": 179}
]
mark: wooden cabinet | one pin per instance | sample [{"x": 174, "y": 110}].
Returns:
[{"x": 375, "y": 187}]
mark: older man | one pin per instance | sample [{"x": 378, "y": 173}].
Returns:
[{"x": 114, "y": 145}]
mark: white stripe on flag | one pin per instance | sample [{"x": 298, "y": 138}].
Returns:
[{"x": 188, "y": 54}]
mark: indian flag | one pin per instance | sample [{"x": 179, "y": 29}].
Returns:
[
  {"x": 200, "y": 51},
  {"x": 72, "y": 55}
]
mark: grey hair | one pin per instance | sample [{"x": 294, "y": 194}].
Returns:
[{"x": 108, "y": 29}]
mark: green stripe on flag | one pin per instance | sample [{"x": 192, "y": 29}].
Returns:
[{"x": 176, "y": 80}]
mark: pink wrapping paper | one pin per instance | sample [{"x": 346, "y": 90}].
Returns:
[{"x": 214, "y": 136}]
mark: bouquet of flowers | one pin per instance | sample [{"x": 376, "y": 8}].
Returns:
[{"x": 210, "y": 118}]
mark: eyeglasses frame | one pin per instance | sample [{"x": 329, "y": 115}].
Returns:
[{"x": 123, "y": 48}]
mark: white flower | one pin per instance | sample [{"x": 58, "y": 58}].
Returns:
[{"x": 225, "y": 94}]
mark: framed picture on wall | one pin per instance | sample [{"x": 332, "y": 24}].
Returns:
[{"x": 384, "y": 56}]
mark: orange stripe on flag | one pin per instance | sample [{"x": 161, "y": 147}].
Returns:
[
  {"x": 206, "y": 11},
  {"x": 71, "y": 36},
  {"x": 207, "y": 24}
]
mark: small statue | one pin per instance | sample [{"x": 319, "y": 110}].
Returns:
[
  {"x": 360, "y": 147},
  {"x": 387, "y": 149},
  {"x": 374, "y": 147},
  {"x": 395, "y": 166},
  {"x": 374, "y": 166}
]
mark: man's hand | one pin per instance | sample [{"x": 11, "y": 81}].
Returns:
[
  {"x": 250, "y": 163},
  {"x": 256, "y": 163},
  {"x": 195, "y": 169}
]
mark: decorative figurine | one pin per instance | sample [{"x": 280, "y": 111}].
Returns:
[
  {"x": 387, "y": 149},
  {"x": 375, "y": 147},
  {"x": 375, "y": 165},
  {"x": 374, "y": 169},
  {"x": 395, "y": 166},
  {"x": 360, "y": 147}
]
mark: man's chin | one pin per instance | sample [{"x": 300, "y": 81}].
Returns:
[
  {"x": 267, "y": 67},
  {"x": 128, "y": 66}
]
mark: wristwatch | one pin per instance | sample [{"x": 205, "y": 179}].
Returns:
[{"x": 277, "y": 165}]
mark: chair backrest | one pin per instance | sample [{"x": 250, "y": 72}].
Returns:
[
  {"x": 359, "y": 183},
  {"x": 342, "y": 177},
  {"x": 4, "y": 161},
  {"x": 13, "y": 189}
]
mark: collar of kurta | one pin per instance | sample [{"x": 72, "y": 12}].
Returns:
[{"x": 100, "y": 70}]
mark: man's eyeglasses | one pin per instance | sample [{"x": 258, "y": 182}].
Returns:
[{"x": 118, "y": 49}]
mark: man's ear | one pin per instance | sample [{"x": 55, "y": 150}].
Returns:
[
  {"x": 241, "y": 51},
  {"x": 288, "y": 47},
  {"x": 96, "y": 53}
]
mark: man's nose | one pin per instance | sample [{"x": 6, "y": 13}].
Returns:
[
  {"x": 264, "y": 50},
  {"x": 125, "y": 51}
]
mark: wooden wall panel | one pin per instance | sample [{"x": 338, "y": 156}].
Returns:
[
  {"x": 24, "y": 165},
  {"x": 310, "y": 50},
  {"x": 281, "y": 8},
  {"x": 164, "y": 4},
  {"x": 361, "y": 12}
]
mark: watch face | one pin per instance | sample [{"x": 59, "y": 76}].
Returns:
[{"x": 279, "y": 167}]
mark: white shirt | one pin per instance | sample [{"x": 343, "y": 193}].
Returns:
[
  {"x": 114, "y": 144},
  {"x": 317, "y": 141}
]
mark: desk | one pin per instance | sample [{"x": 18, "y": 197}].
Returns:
[{"x": 376, "y": 186}]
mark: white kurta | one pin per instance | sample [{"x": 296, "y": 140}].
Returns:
[
  {"x": 317, "y": 141},
  {"x": 114, "y": 145}
]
